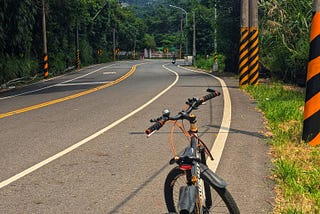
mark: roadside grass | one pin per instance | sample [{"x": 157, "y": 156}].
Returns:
[{"x": 296, "y": 165}]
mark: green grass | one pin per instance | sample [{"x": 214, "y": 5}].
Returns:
[{"x": 296, "y": 170}]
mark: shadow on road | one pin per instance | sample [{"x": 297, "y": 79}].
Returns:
[{"x": 238, "y": 131}]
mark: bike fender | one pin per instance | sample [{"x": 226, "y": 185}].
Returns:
[
  {"x": 213, "y": 177},
  {"x": 187, "y": 198}
]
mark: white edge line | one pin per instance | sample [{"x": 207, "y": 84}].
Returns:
[
  {"x": 86, "y": 140},
  {"x": 221, "y": 138}
]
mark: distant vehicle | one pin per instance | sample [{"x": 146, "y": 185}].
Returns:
[{"x": 174, "y": 59}]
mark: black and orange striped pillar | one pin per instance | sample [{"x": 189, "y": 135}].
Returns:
[
  {"x": 45, "y": 66},
  {"x": 253, "y": 56},
  {"x": 244, "y": 57},
  {"x": 244, "y": 44},
  {"x": 311, "y": 124},
  {"x": 253, "y": 43},
  {"x": 45, "y": 50},
  {"x": 78, "y": 59},
  {"x": 78, "y": 63}
]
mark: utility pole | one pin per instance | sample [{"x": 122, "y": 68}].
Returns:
[
  {"x": 248, "y": 56},
  {"x": 253, "y": 44},
  {"x": 181, "y": 32},
  {"x": 244, "y": 44},
  {"x": 215, "y": 29},
  {"x": 215, "y": 66},
  {"x": 114, "y": 43},
  {"x": 186, "y": 27},
  {"x": 45, "y": 51},
  {"x": 77, "y": 47},
  {"x": 194, "y": 41},
  {"x": 311, "y": 125}
]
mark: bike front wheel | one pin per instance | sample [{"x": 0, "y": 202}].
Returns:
[{"x": 221, "y": 200}]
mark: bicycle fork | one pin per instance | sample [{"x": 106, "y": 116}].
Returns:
[{"x": 193, "y": 196}]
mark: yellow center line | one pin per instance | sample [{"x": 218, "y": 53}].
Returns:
[{"x": 48, "y": 103}]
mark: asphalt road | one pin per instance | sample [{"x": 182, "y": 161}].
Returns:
[{"x": 76, "y": 143}]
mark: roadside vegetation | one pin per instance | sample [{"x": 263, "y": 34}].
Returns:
[
  {"x": 138, "y": 24},
  {"x": 296, "y": 170}
]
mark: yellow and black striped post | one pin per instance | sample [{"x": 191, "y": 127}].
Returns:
[
  {"x": 253, "y": 56},
  {"x": 45, "y": 49},
  {"x": 77, "y": 48},
  {"x": 244, "y": 47},
  {"x": 45, "y": 66},
  {"x": 311, "y": 124},
  {"x": 244, "y": 57},
  {"x": 253, "y": 43},
  {"x": 78, "y": 59}
]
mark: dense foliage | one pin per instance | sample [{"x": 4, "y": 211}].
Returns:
[
  {"x": 138, "y": 24},
  {"x": 21, "y": 45},
  {"x": 284, "y": 37}
]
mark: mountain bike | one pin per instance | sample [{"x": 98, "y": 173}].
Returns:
[{"x": 191, "y": 187}]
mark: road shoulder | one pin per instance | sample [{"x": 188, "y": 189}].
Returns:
[{"x": 246, "y": 161}]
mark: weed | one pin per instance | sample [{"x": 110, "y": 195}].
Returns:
[{"x": 296, "y": 164}]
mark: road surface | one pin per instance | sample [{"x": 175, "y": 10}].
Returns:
[{"x": 76, "y": 143}]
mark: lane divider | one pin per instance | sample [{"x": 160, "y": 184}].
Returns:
[
  {"x": 73, "y": 96},
  {"x": 86, "y": 140}
]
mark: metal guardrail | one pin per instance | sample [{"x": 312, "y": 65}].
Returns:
[
  {"x": 14, "y": 82},
  {"x": 24, "y": 80}
]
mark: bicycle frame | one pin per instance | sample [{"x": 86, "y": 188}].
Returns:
[{"x": 193, "y": 171}]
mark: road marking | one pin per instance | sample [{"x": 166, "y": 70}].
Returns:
[
  {"x": 51, "y": 86},
  {"x": 111, "y": 72},
  {"x": 41, "y": 105},
  {"x": 86, "y": 140},
  {"x": 82, "y": 83},
  {"x": 221, "y": 138}
]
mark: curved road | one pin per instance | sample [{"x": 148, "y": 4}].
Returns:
[{"x": 76, "y": 143}]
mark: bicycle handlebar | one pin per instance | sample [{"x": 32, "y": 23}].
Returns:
[
  {"x": 193, "y": 104},
  {"x": 155, "y": 127}
]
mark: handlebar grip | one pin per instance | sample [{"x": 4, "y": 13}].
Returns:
[
  {"x": 210, "y": 96},
  {"x": 154, "y": 127}
]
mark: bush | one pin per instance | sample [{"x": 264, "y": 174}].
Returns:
[
  {"x": 284, "y": 38},
  {"x": 57, "y": 63},
  {"x": 12, "y": 68},
  {"x": 207, "y": 63},
  {"x": 86, "y": 52}
]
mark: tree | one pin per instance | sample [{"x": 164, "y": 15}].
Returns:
[{"x": 149, "y": 41}]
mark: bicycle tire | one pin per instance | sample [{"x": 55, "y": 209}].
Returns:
[{"x": 222, "y": 201}]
